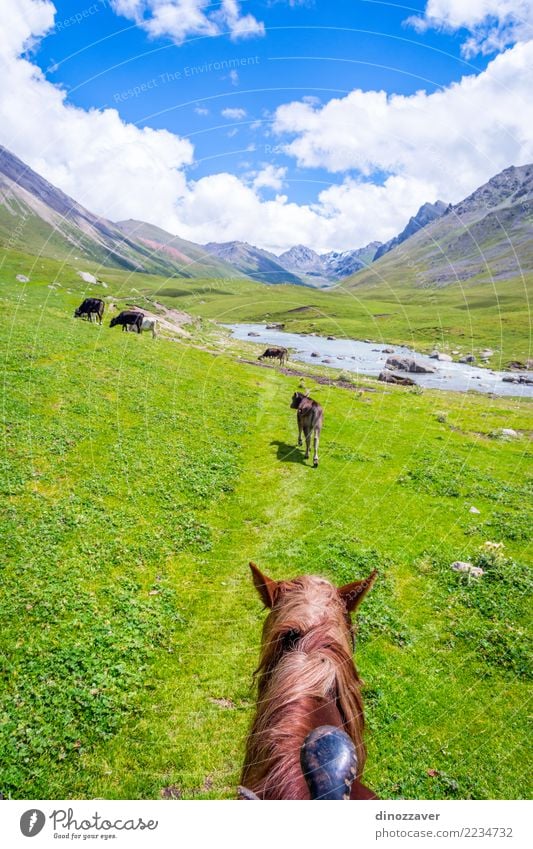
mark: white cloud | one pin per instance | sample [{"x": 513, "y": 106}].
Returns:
[
  {"x": 234, "y": 77},
  {"x": 201, "y": 110},
  {"x": 222, "y": 208},
  {"x": 493, "y": 24},
  {"x": 452, "y": 140},
  {"x": 24, "y": 24},
  {"x": 104, "y": 163},
  {"x": 233, "y": 114},
  {"x": 179, "y": 19},
  {"x": 270, "y": 177}
]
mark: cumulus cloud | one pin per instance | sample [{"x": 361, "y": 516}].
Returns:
[
  {"x": 493, "y": 24},
  {"x": 222, "y": 208},
  {"x": 179, "y": 19},
  {"x": 104, "y": 163},
  {"x": 452, "y": 139},
  {"x": 270, "y": 177},
  {"x": 233, "y": 114}
]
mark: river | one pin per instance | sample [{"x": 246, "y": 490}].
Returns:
[{"x": 368, "y": 359}]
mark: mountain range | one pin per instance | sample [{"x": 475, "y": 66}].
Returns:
[{"x": 487, "y": 235}]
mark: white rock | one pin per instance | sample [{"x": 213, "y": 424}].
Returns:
[
  {"x": 89, "y": 278},
  {"x": 467, "y": 568},
  {"x": 475, "y": 510},
  {"x": 461, "y": 566}
]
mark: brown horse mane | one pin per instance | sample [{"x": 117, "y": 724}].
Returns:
[{"x": 306, "y": 677}]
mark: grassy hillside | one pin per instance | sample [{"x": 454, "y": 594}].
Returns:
[{"x": 138, "y": 479}]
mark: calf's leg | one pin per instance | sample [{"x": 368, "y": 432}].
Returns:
[
  {"x": 307, "y": 443},
  {"x": 316, "y": 441}
]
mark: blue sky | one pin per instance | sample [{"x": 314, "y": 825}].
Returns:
[
  {"x": 321, "y": 49},
  {"x": 265, "y": 119}
]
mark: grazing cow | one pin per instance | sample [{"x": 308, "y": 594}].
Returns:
[
  {"x": 150, "y": 324},
  {"x": 128, "y": 318},
  {"x": 280, "y": 354},
  {"x": 89, "y": 307},
  {"x": 310, "y": 417}
]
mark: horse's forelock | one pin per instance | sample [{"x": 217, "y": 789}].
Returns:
[{"x": 302, "y": 605}]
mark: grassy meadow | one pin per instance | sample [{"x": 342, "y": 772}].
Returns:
[
  {"x": 139, "y": 478},
  {"x": 468, "y": 316}
]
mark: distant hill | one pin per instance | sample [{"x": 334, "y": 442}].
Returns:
[
  {"x": 484, "y": 238},
  {"x": 326, "y": 269},
  {"x": 254, "y": 262},
  {"x": 190, "y": 257}
]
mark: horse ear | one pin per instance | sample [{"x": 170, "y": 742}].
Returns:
[
  {"x": 266, "y": 587},
  {"x": 353, "y": 594}
]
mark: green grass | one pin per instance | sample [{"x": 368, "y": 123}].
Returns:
[
  {"x": 138, "y": 480},
  {"x": 467, "y": 317}
]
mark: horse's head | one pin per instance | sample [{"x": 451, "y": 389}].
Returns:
[
  {"x": 307, "y": 610},
  {"x": 306, "y": 680}
]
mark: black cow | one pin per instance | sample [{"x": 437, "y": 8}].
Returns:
[
  {"x": 128, "y": 319},
  {"x": 90, "y": 307},
  {"x": 280, "y": 354},
  {"x": 310, "y": 417}
]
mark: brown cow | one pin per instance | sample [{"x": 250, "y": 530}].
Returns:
[
  {"x": 280, "y": 354},
  {"x": 310, "y": 417}
]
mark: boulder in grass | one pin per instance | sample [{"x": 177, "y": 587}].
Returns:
[
  {"x": 398, "y": 379},
  {"x": 504, "y": 433},
  {"x": 467, "y": 568}
]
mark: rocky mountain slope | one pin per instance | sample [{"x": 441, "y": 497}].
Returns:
[
  {"x": 484, "y": 238},
  {"x": 426, "y": 214},
  {"x": 328, "y": 268},
  {"x": 254, "y": 262}
]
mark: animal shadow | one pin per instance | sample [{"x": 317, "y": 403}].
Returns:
[{"x": 288, "y": 453}]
